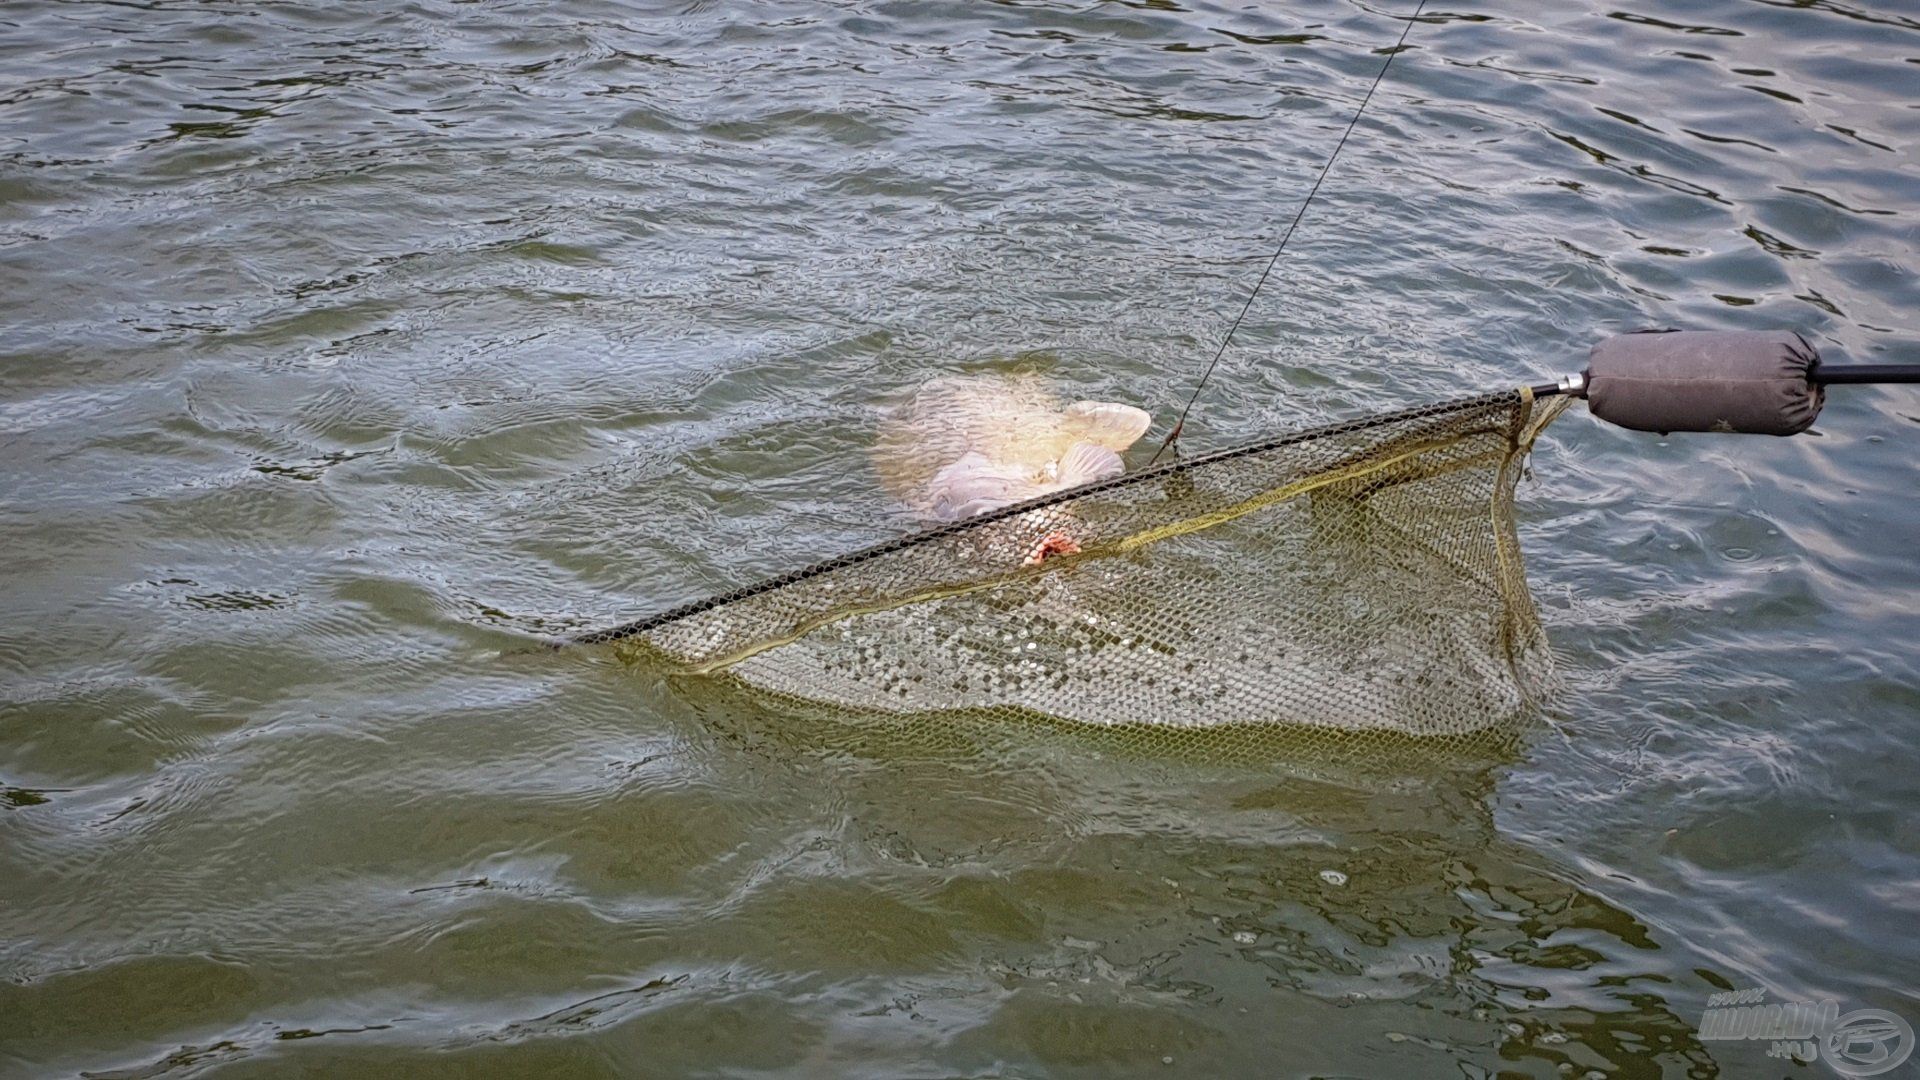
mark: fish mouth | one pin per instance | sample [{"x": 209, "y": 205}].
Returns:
[{"x": 1054, "y": 543}]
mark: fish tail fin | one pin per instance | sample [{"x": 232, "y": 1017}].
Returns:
[{"x": 1085, "y": 463}]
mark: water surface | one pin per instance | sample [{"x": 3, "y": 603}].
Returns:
[{"x": 348, "y": 345}]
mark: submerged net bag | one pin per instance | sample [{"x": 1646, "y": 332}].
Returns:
[{"x": 1345, "y": 584}]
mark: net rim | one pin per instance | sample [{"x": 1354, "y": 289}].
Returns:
[{"x": 886, "y": 547}]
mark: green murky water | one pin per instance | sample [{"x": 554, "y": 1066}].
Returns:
[{"x": 347, "y": 345}]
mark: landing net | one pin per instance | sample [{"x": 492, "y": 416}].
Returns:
[{"x": 1348, "y": 583}]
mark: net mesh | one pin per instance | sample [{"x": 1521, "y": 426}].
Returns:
[{"x": 1340, "y": 585}]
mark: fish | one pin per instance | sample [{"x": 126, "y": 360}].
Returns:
[
  {"x": 968, "y": 446},
  {"x": 977, "y": 484}
]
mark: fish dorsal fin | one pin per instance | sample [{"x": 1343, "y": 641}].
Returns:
[
  {"x": 1108, "y": 423},
  {"x": 1084, "y": 463}
]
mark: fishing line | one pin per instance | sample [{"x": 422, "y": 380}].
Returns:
[{"x": 1181, "y": 423}]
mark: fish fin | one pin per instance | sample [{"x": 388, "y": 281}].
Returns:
[
  {"x": 1109, "y": 423},
  {"x": 976, "y": 507},
  {"x": 976, "y": 484},
  {"x": 1085, "y": 463}
]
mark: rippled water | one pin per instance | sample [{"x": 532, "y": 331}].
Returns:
[{"x": 346, "y": 345}]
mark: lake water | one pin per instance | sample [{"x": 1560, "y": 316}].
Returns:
[{"x": 348, "y": 346}]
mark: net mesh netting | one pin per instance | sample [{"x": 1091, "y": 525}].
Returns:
[{"x": 1355, "y": 582}]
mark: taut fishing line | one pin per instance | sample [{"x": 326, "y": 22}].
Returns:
[{"x": 1181, "y": 422}]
